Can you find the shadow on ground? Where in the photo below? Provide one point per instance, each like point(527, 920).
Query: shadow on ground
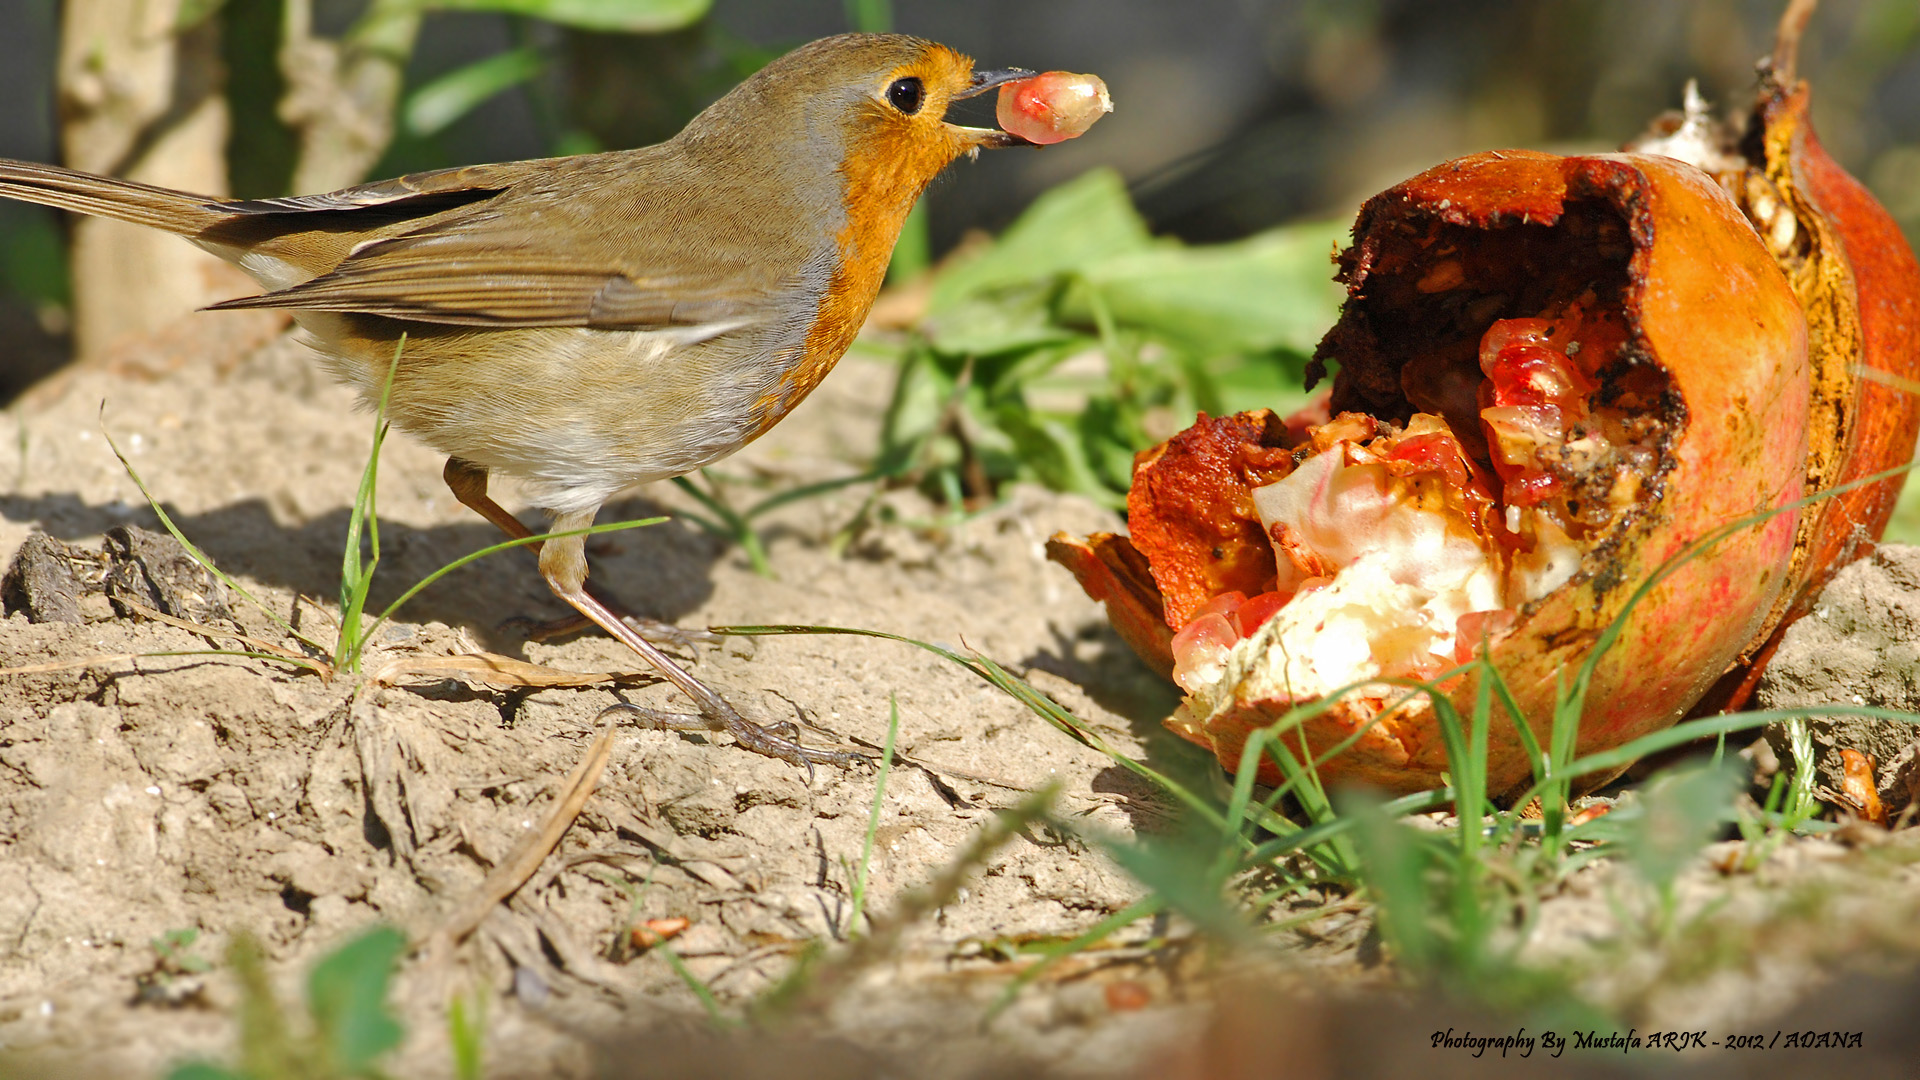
point(663, 571)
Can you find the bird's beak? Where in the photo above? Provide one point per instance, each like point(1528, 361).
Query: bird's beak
point(984, 81)
point(989, 138)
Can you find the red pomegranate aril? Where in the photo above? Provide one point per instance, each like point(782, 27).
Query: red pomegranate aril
point(1200, 645)
point(1258, 610)
point(1508, 332)
point(1475, 628)
point(1224, 604)
point(1533, 375)
point(1515, 434)
point(1052, 107)
point(1434, 453)
point(1531, 487)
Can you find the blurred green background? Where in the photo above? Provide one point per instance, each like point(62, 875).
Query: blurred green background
point(1235, 119)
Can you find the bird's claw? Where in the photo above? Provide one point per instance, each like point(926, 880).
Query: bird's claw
point(666, 633)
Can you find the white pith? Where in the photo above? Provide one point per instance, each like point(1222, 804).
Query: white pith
point(1408, 567)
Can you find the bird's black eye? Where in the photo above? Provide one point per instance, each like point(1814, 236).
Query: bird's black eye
point(906, 95)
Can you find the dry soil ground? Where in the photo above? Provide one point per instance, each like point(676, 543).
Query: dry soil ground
point(143, 793)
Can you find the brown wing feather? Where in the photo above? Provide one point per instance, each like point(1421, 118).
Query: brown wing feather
point(480, 181)
point(464, 276)
point(509, 245)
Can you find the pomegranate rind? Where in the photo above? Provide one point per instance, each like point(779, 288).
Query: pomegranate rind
point(1704, 303)
point(1882, 286)
point(1190, 509)
point(1113, 572)
point(1859, 284)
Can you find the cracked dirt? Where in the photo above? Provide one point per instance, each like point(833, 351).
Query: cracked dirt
point(143, 793)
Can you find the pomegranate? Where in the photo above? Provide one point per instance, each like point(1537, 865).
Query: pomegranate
point(1859, 283)
point(1555, 375)
point(1053, 106)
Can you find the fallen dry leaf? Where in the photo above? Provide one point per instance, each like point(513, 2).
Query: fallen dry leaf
point(1857, 787)
point(651, 932)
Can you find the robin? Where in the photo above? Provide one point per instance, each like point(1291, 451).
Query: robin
point(590, 323)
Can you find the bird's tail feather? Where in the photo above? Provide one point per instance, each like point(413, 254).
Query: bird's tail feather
point(103, 196)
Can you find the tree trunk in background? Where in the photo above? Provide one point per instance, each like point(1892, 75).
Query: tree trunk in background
point(142, 100)
point(341, 96)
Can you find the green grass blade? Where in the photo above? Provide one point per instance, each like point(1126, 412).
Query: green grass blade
point(1175, 870)
point(1535, 755)
point(700, 989)
point(1698, 547)
point(737, 528)
point(1707, 726)
point(194, 552)
point(356, 579)
point(1143, 908)
point(1336, 862)
point(1017, 688)
point(1799, 804)
point(1395, 859)
point(463, 560)
point(1570, 701)
point(873, 819)
point(1235, 818)
point(1468, 770)
point(1339, 859)
point(1050, 710)
point(819, 978)
point(808, 491)
point(1326, 831)
point(466, 1033)
point(1304, 783)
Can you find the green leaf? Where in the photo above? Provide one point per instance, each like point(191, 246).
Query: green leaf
point(1274, 380)
point(1052, 453)
point(920, 399)
point(201, 1070)
point(623, 16)
point(347, 994)
point(870, 16)
point(1070, 227)
point(192, 13)
point(430, 109)
point(1107, 439)
point(1270, 291)
point(1676, 817)
point(990, 327)
point(33, 256)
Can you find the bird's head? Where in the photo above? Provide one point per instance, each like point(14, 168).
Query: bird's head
point(871, 107)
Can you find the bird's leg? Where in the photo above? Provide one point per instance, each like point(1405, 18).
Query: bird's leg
point(654, 630)
point(563, 562)
point(468, 482)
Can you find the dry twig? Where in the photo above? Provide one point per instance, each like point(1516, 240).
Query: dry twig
point(512, 873)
